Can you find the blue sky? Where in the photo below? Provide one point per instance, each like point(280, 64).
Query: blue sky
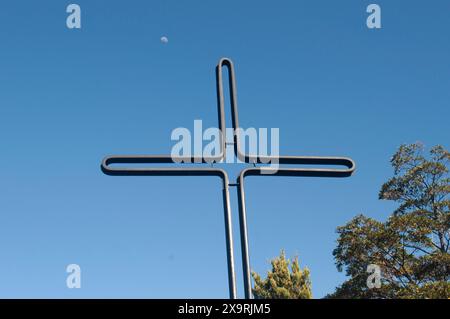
point(310, 68)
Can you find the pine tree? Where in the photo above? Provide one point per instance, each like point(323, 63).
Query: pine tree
point(283, 282)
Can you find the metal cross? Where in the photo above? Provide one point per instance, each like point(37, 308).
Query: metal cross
point(108, 168)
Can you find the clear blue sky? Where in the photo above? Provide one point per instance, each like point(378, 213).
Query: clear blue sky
point(311, 68)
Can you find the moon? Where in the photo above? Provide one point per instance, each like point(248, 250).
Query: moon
point(164, 40)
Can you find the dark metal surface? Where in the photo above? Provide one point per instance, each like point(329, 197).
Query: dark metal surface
point(109, 169)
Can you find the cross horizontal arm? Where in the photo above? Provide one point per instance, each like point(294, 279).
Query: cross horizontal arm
point(108, 167)
point(159, 159)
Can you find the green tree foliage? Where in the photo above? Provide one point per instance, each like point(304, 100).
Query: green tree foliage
point(412, 246)
point(282, 282)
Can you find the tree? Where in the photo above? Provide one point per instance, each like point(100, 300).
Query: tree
point(282, 282)
point(412, 246)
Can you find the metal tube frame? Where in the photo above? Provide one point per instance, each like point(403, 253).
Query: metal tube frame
point(348, 163)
